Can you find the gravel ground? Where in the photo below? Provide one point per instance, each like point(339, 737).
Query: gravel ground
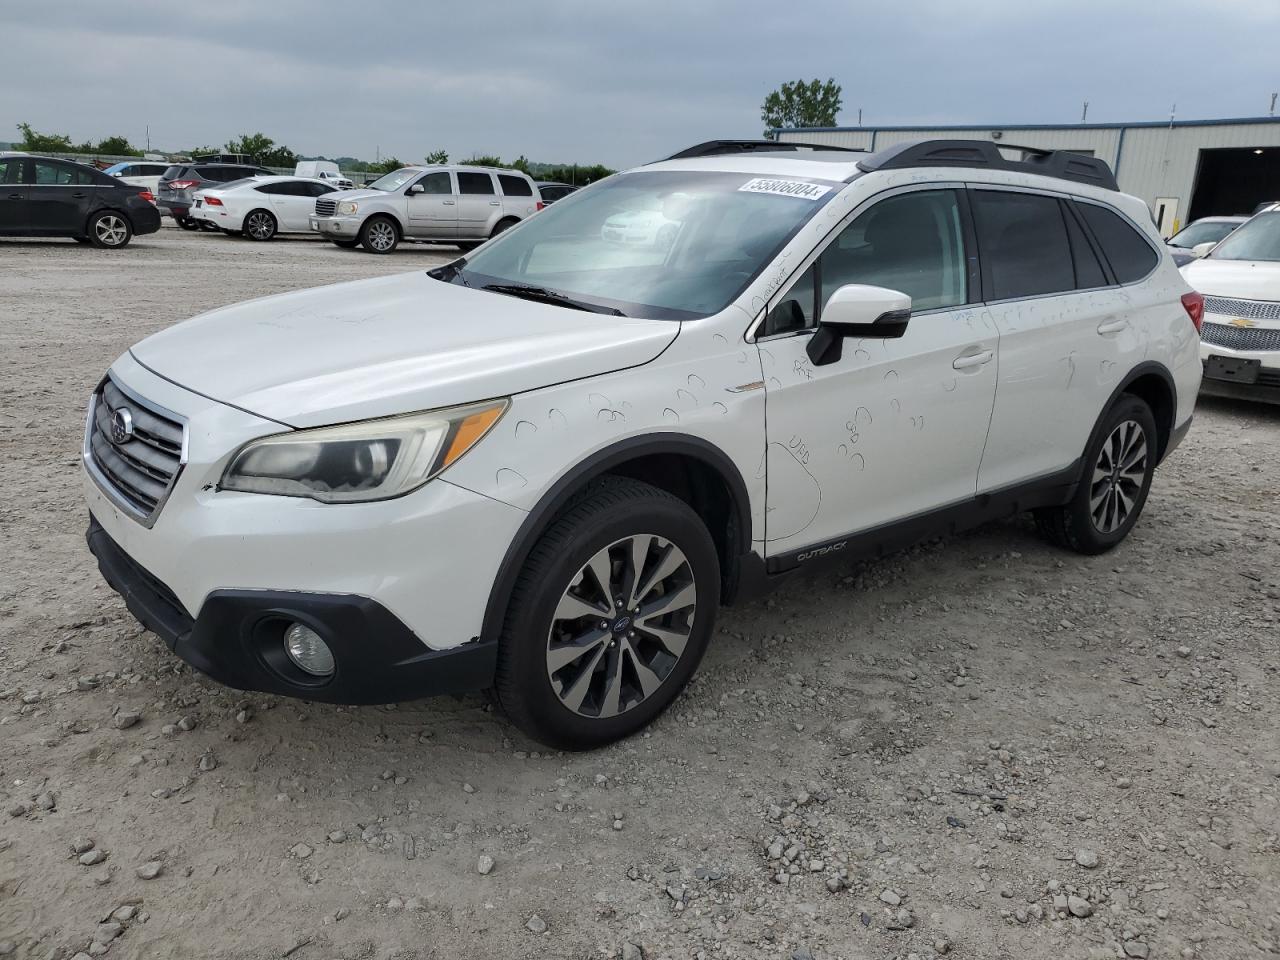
point(982, 747)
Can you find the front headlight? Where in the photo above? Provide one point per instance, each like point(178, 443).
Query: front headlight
point(347, 207)
point(371, 460)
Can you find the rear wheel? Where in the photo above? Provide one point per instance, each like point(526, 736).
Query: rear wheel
point(260, 225)
point(609, 616)
point(503, 225)
point(1116, 475)
point(109, 230)
point(188, 223)
point(208, 227)
point(379, 235)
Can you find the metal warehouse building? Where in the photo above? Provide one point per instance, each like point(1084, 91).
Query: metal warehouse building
point(1183, 169)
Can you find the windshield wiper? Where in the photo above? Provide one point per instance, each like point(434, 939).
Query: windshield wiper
point(543, 295)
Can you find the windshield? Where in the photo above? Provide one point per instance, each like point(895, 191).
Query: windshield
point(669, 245)
point(394, 180)
point(1259, 239)
point(1198, 233)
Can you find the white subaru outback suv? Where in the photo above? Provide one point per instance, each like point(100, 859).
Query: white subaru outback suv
point(543, 467)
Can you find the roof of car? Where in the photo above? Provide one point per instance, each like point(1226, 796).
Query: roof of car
point(1234, 219)
point(815, 164)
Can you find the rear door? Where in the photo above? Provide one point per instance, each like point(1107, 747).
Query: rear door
point(291, 201)
point(478, 204)
point(13, 196)
point(434, 212)
point(59, 196)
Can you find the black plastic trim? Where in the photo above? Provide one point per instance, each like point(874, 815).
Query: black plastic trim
point(598, 464)
point(1141, 370)
point(982, 154)
point(719, 148)
point(236, 639)
point(1054, 489)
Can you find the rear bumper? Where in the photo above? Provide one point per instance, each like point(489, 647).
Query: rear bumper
point(236, 639)
point(144, 220)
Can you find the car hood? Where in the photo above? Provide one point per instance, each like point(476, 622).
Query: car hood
point(1243, 279)
point(390, 345)
point(355, 194)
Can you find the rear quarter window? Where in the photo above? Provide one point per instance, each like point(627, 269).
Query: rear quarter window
point(515, 186)
point(1128, 252)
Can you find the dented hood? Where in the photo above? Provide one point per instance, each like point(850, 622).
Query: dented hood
point(390, 345)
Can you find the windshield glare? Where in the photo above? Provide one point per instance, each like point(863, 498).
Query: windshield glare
point(1259, 239)
point(394, 180)
point(1198, 233)
point(660, 244)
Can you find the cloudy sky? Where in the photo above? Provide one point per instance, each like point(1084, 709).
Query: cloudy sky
point(612, 82)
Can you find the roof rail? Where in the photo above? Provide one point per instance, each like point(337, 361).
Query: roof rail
point(717, 148)
point(1061, 164)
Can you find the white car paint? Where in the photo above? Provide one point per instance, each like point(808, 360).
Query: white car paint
point(969, 401)
point(237, 200)
point(131, 173)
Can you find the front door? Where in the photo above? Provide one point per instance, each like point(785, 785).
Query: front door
point(434, 212)
point(477, 204)
point(894, 428)
point(58, 196)
point(13, 196)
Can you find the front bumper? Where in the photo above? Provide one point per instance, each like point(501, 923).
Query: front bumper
point(237, 638)
point(344, 227)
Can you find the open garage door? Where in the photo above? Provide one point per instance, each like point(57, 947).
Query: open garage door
point(1234, 181)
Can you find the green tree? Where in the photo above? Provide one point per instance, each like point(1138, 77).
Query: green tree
point(387, 165)
point(486, 161)
point(801, 104)
point(117, 147)
point(263, 149)
point(44, 142)
point(521, 163)
point(438, 156)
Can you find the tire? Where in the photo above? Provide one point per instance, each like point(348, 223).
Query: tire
point(379, 235)
point(260, 225)
point(631, 669)
point(208, 227)
point(1115, 478)
point(503, 225)
point(345, 244)
point(109, 230)
point(188, 223)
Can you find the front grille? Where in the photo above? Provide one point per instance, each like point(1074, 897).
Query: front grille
point(139, 472)
point(1240, 338)
point(326, 208)
point(1251, 309)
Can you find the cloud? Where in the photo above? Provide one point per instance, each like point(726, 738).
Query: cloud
point(617, 83)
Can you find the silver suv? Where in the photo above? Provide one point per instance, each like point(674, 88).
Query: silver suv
point(453, 204)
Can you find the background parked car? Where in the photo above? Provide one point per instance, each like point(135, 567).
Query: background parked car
point(139, 173)
point(551, 192)
point(462, 205)
point(180, 181)
point(260, 207)
point(43, 197)
point(1205, 230)
point(325, 170)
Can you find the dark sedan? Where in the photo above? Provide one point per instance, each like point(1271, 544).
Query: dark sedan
point(551, 192)
point(43, 197)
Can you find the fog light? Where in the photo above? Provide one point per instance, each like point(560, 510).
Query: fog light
point(308, 652)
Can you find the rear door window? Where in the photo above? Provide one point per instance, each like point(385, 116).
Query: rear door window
point(515, 186)
point(1129, 254)
point(475, 183)
point(1022, 240)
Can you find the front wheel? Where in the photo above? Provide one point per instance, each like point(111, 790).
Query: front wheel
point(609, 616)
point(1116, 475)
point(379, 235)
point(109, 230)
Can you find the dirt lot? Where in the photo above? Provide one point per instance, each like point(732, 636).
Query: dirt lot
point(984, 747)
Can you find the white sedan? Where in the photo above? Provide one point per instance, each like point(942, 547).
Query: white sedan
point(260, 207)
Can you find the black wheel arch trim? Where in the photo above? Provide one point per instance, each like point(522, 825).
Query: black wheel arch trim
point(596, 465)
point(1146, 368)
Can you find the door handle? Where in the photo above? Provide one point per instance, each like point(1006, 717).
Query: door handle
point(78, 196)
point(447, 203)
point(971, 360)
point(1112, 325)
point(494, 203)
point(15, 196)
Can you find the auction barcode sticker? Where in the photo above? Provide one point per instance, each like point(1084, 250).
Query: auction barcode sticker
point(785, 188)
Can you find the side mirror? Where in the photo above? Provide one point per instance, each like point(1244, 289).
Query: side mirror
point(858, 310)
point(416, 189)
point(1202, 249)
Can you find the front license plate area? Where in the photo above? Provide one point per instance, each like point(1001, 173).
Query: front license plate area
point(1235, 369)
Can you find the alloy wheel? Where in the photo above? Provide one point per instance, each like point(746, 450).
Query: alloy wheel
point(110, 230)
point(1118, 475)
point(621, 626)
point(260, 226)
point(382, 236)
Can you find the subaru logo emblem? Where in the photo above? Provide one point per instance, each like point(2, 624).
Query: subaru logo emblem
point(121, 426)
point(622, 623)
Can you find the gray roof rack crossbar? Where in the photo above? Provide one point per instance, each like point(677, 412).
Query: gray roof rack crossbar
point(718, 148)
point(979, 153)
